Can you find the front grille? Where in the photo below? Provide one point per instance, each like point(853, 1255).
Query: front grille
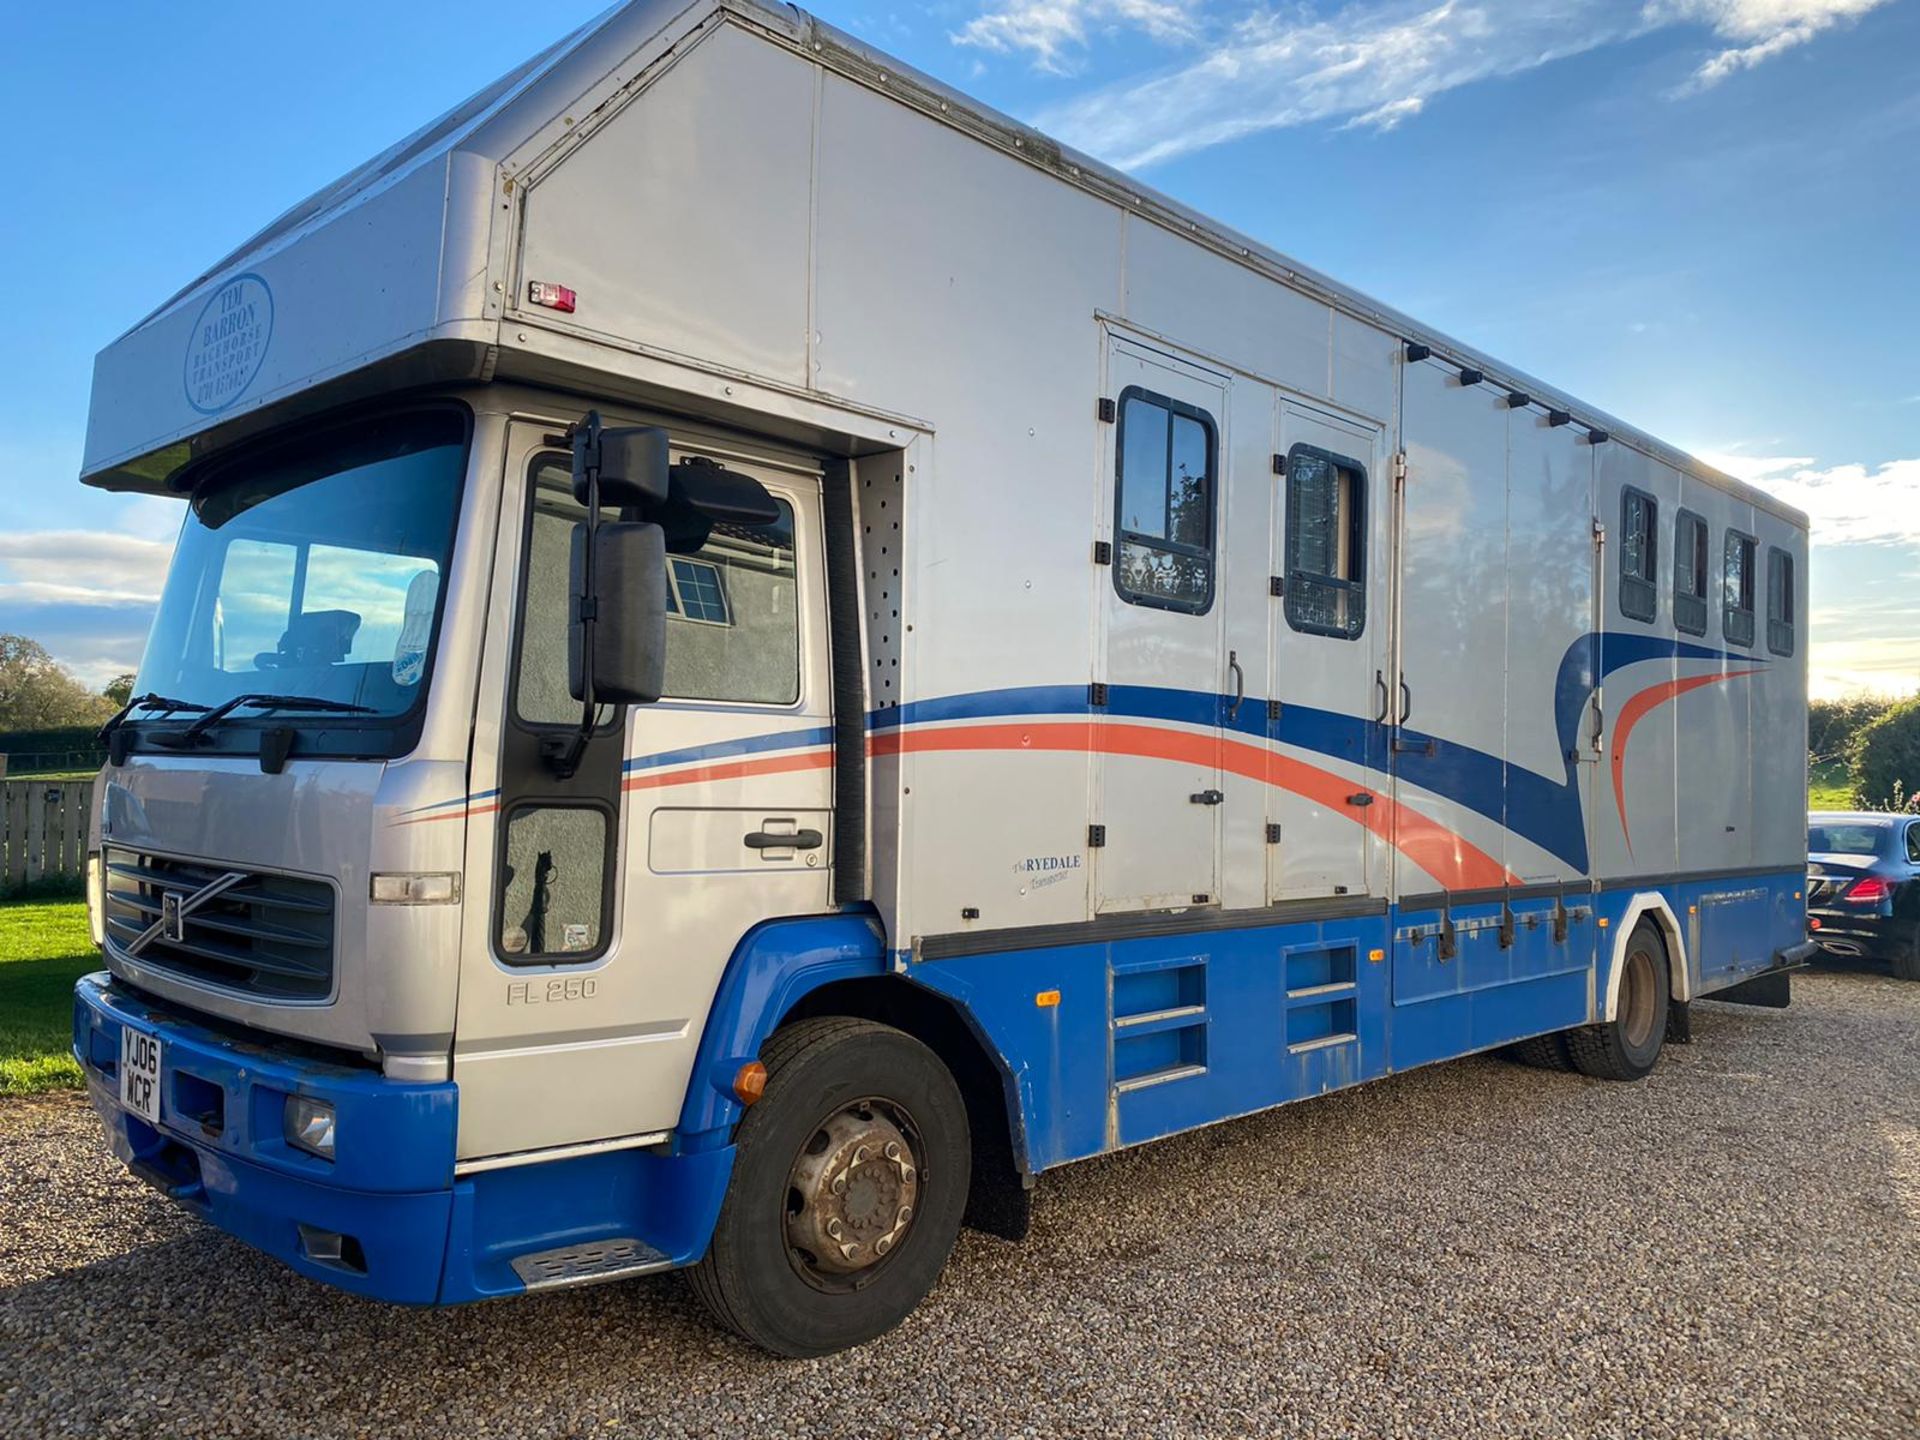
point(264, 935)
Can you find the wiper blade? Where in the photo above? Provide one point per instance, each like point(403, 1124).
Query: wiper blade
point(151, 700)
point(259, 700)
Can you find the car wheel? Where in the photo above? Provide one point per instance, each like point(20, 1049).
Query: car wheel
point(849, 1180)
point(1906, 962)
point(1628, 1046)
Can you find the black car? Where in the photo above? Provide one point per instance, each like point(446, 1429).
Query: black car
point(1863, 887)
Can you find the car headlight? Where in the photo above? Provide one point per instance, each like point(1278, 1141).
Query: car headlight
point(309, 1125)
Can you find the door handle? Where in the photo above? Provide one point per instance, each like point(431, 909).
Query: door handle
point(1207, 797)
point(1380, 688)
point(792, 840)
point(1239, 684)
point(1406, 701)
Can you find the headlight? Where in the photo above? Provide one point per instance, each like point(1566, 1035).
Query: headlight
point(310, 1125)
point(96, 899)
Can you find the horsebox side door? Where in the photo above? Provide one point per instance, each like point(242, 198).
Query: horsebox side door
point(1157, 689)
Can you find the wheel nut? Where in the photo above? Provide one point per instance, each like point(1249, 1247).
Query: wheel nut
point(906, 1214)
point(893, 1151)
point(883, 1244)
point(834, 1228)
point(839, 1186)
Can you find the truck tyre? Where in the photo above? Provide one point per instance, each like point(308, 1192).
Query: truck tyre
point(1627, 1046)
point(1543, 1052)
point(1906, 961)
point(849, 1180)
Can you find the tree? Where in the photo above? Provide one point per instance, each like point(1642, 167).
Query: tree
point(1834, 725)
point(1886, 757)
point(119, 689)
point(36, 694)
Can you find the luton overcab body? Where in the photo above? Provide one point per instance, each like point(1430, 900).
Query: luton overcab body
point(759, 655)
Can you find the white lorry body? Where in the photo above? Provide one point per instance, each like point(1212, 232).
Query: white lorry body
point(1187, 684)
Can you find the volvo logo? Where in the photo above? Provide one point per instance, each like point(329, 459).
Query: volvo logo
point(176, 906)
point(173, 919)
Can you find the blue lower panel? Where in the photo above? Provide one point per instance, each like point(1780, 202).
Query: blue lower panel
point(1165, 1033)
point(387, 1218)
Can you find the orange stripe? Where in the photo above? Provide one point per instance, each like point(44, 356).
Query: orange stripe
point(1632, 713)
point(1451, 859)
point(730, 770)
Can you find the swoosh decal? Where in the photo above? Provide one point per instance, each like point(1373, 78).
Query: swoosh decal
point(1634, 711)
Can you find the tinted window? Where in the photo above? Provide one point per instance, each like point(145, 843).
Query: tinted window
point(1326, 580)
point(1781, 601)
point(1164, 503)
point(1690, 573)
point(1842, 838)
point(1913, 843)
point(1639, 515)
point(1736, 620)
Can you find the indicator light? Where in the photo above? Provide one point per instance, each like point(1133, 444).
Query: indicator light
point(1047, 999)
point(552, 296)
point(750, 1083)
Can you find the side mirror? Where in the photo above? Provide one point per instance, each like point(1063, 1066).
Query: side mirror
point(632, 461)
point(629, 606)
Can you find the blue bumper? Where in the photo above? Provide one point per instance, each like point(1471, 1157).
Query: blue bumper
point(388, 1217)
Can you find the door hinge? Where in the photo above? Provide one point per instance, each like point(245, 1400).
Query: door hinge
point(1273, 833)
point(1273, 709)
point(1399, 467)
point(1506, 926)
point(1206, 797)
point(1276, 586)
point(1097, 693)
point(1360, 799)
point(1102, 552)
point(1106, 410)
point(1096, 836)
point(1279, 464)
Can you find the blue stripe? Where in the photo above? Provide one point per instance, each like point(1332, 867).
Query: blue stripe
point(721, 749)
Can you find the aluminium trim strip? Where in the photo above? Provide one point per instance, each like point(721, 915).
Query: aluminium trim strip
point(557, 1152)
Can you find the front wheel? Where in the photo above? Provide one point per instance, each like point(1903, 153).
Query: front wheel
point(849, 1180)
point(1627, 1046)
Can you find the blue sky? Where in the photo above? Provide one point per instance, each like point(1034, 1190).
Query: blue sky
point(1700, 215)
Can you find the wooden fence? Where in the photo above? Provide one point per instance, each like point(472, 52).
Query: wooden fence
point(43, 830)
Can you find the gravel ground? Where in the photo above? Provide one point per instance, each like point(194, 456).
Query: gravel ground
point(1732, 1248)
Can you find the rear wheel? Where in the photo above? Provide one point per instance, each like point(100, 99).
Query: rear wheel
point(1628, 1046)
point(1906, 961)
point(848, 1185)
point(1543, 1052)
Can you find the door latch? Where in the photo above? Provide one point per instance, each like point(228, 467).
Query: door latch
point(790, 840)
point(1207, 797)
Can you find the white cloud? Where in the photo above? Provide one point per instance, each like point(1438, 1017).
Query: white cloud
point(81, 567)
point(1374, 63)
point(1848, 504)
point(1762, 28)
point(1052, 30)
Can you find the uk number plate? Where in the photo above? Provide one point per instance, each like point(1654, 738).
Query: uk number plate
point(140, 1074)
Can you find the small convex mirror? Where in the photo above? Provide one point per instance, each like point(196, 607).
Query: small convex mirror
point(633, 464)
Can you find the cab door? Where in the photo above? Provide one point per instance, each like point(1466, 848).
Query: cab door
point(618, 894)
point(1156, 735)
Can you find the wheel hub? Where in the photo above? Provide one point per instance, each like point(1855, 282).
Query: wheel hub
point(853, 1190)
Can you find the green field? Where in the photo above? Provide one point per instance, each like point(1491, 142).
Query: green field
point(1830, 787)
point(44, 948)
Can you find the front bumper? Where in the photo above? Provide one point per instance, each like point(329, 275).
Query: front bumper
point(390, 1217)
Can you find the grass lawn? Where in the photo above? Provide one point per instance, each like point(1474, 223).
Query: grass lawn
point(44, 948)
point(1830, 787)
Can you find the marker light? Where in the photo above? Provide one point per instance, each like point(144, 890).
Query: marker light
point(413, 887)
point(554, 297)
point(96, 900)
point(309, 1125)
point(751, 1083)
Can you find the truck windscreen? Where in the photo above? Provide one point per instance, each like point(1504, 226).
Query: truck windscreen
point(315, 567)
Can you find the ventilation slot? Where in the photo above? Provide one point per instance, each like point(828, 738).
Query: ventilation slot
point(1159, 1021)
point(1321, 996)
